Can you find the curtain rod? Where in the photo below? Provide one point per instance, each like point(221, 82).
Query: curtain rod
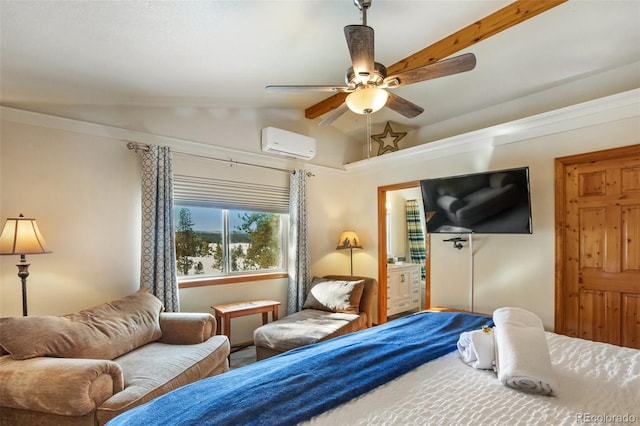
point(135, 146)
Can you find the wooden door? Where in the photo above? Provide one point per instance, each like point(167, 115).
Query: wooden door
point(598, 246)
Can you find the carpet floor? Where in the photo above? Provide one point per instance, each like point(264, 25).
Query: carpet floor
point(242, 356)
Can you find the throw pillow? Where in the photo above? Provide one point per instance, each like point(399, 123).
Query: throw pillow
point(104, 332)
point(335, 296)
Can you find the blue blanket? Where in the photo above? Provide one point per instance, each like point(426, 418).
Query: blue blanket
point(299, 384)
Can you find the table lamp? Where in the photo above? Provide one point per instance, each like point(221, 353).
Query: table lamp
point(349, 240)
point(20, 235)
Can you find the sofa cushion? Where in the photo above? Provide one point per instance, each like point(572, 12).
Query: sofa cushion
point(335, 295)
point(158, 368)
point(186, 328)
point(104, 332)
point(306, 327)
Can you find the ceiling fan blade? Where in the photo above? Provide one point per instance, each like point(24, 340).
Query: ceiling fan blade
point(323, 107)
point(443, 68)
point(507, 17)
point(403, 106)
point(308, 88)
point(360, 43)
point(334, 115)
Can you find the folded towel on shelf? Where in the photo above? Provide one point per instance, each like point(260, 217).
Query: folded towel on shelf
point(522, 353)
point(477, 348)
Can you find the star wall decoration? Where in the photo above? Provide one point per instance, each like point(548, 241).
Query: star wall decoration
point(388, 140)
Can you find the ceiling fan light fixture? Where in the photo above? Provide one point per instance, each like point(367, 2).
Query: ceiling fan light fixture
point(367, 99)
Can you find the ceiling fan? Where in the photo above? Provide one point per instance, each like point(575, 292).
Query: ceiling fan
point(367, 79)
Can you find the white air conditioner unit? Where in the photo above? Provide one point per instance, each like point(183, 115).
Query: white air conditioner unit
point(283, 142)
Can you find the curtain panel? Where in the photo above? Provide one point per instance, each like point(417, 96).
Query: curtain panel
point(417, 251)
point(298, 249)
point(158, 260)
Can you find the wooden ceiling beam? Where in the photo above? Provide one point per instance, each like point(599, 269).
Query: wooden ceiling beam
point(507, 17)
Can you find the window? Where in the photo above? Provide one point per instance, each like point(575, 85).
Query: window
point(229, 227)
point(212, 241)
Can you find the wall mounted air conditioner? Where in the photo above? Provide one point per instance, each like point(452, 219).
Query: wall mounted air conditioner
point(283, 142)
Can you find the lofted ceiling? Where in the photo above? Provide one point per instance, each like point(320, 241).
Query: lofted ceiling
point(221, 54)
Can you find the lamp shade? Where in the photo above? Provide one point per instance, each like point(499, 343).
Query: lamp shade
point(348, 240)
point(20, 235)
point(367, 99)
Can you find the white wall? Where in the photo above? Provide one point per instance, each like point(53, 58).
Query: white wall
point(509, 270)
point(329, 204)
point(238, 129)
point(84, 193)
point(82, 185)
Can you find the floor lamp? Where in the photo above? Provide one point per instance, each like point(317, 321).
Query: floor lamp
point(349, 240)
point(20, 235)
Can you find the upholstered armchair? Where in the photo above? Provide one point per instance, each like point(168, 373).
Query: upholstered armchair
point(335, 305)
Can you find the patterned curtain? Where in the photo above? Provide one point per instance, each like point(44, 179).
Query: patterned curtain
point(158, 259)
point(298, 242)
point(417, 251)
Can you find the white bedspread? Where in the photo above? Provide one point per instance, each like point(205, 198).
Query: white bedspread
point(593, 379)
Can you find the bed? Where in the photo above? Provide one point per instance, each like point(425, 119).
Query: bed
point(407, 371)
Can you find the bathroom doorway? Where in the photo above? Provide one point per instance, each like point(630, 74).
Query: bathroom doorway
point(392, 239)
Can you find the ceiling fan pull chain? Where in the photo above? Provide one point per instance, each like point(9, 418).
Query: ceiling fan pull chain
point(368, 144)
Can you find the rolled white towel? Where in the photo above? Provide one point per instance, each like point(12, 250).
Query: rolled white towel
point(477, 348)
point(522, 353)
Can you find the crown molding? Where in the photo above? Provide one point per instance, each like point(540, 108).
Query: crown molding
point(611, 108)
point(185, 146)
point(603, 110)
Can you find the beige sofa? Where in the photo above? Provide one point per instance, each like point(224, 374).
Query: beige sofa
point(86, 368)
point(335, 305)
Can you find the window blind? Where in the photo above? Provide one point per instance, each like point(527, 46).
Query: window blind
point(227, 194)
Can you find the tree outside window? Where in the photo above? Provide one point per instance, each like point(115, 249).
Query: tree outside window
point(255, 241)
point(187, 242)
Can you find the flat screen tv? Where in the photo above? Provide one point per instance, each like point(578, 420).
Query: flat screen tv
point(496, 202)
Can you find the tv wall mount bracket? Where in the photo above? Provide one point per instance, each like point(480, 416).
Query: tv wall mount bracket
point(457, 242)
